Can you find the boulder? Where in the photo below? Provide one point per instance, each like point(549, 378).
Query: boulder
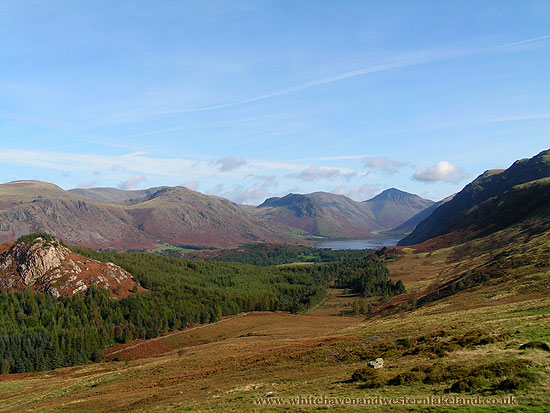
point(376, 363)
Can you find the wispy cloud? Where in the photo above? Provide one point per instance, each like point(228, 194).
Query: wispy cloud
point(383, 163)
point(253, 194)
point(142, 163)
point(331, 158)
point(315, 172)
point(357, 192)
point(157, 132)
point(230, 163)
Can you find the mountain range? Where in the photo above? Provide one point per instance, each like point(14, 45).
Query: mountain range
point(337, 216)
point(146, 219)
point(176, 216)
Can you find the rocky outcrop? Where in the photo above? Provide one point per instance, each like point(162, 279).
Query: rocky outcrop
point(35, 259)
point(43, 264)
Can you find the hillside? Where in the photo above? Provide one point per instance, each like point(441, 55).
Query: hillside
point(490, 184)
point(174, 216)
point(526, 206)
point(32, 206)
point(177, 215)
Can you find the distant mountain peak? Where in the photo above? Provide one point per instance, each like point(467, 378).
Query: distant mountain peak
point(393, 193)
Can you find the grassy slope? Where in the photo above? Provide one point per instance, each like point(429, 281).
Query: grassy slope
point(227, 366)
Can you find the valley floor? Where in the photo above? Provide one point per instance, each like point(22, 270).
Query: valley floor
point(231, 366)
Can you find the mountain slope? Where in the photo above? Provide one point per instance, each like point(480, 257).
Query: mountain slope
point(410, 224)
point(527, 206)
point(489, 184)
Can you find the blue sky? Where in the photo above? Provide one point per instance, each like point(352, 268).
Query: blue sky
point(251, 99)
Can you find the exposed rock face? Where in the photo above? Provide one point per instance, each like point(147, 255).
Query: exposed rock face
point(46, 265)
point(36, 259)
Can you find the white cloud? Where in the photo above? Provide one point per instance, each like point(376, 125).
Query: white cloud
point(229, 163)
point(443, 171)
point(383, 163)
point(358, 192)
point(132, 182)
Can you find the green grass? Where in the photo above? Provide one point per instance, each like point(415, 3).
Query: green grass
point(296, 233)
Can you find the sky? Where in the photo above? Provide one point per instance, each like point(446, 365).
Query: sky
point(253, 99)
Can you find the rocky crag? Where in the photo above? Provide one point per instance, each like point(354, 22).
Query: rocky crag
point(42, 264)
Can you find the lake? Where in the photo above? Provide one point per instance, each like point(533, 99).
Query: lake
point(359, 244)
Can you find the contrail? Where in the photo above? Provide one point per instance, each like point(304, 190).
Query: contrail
point(404, 62)
point(313, 83)
point(535, 39)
